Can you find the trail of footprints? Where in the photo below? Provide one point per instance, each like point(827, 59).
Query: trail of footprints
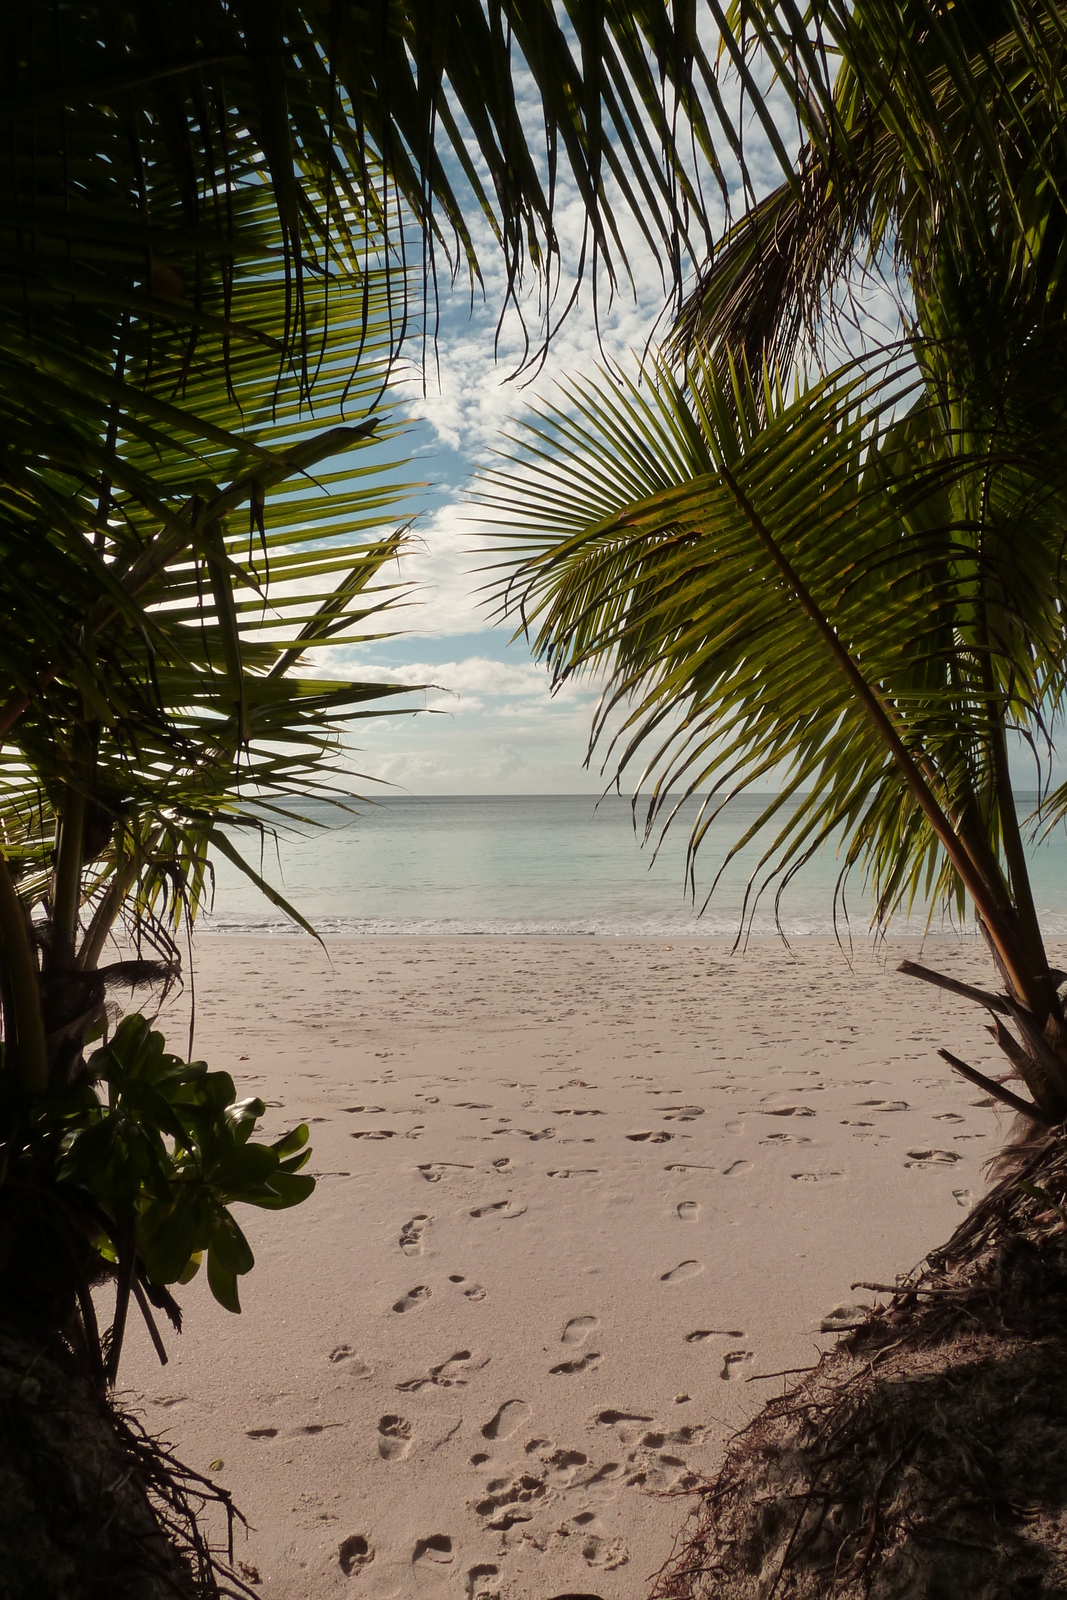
point(529, 1487)
point(624, 1449)
point(529, 1498)
point(634, 1452)
point(529, 1493)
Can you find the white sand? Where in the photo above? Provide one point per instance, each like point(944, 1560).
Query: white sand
point(576, 1199)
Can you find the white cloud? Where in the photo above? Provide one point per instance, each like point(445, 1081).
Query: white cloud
point(499, 728)
point(477, 675)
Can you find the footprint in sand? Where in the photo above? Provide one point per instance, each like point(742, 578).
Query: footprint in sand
point(786, 1138)
point(356, 1552)
point(505, 1499)
point(688, 1210)
point(786, 1111)
point(698, 1335)
point(628, 1427)
point(605, 1553)
point(434, 1171)
point(359, 1367)
point(578, 1329)
point(817, 1177)
point(480, 1581)
point(502, 1164)
point(434, 1551)
point(453, 1373)
point(503, 1423)
point(411, 1234)
point(581, 1364)
point(394, 1440)
point(734, 1363)
point(574, 1172)
point(963, 1197)
point(564, 1462)
point(500, 1208)
point(414, 1297)
point(374, 1133)
point(931, 1158)
point(684, 1269)
point(651, 1138)
point(683, 1113)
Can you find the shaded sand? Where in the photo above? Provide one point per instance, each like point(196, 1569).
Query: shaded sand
point(927, 1453)
point(577, 1199)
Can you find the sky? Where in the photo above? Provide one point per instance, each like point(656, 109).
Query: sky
point(492, 725)
point(489, 723)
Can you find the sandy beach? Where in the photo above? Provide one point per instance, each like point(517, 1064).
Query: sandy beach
point(581, 1203)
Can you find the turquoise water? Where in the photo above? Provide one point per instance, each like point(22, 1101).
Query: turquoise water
point(557, 864)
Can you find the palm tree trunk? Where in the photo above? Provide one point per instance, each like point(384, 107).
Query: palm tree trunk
point(23, 1023)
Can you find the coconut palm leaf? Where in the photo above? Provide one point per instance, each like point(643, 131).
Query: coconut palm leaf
point(180, 527)
point(809, 590)
point(388, 112)
point(928, 130)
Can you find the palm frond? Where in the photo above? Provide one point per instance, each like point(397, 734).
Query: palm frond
point(789, 590)
point(368, 118)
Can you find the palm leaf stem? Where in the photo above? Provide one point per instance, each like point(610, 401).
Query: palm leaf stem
point(66, 895)
point(966, 991)
point(981, 892)
point(1015, 1102)
point(1011, 837)
point(114, 898)
point(21, 991)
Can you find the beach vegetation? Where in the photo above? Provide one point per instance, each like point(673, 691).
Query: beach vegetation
point(807, 553)
point(179, 536)
point(210, 244)
point(205, 291)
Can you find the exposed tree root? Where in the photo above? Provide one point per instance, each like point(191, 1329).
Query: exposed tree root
point(926, 1456)
point(91, 1507)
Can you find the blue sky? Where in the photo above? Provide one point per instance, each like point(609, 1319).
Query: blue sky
point(491, 724)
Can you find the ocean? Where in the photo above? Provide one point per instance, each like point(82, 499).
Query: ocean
point(546, 865)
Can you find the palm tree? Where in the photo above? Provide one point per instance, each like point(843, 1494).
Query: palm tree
point(178, 534)
point(854, 576)
point(208, 214)
point(183, 531)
